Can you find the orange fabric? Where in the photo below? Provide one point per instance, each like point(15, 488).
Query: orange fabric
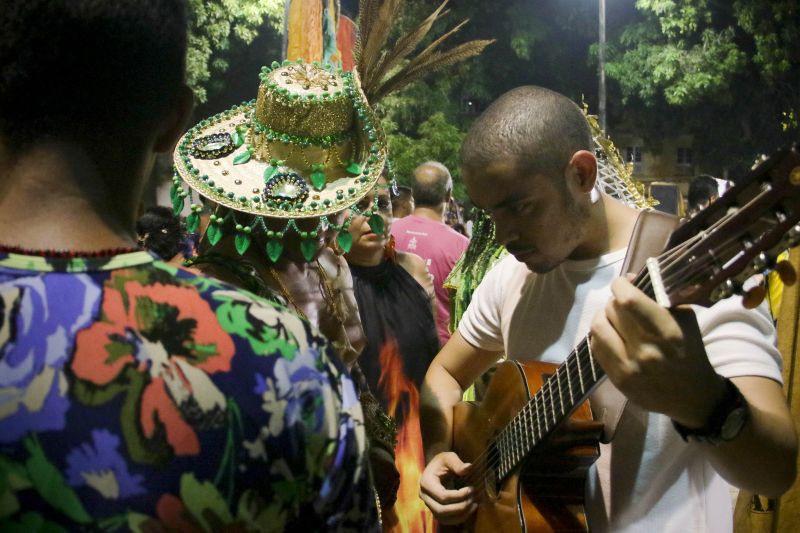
point(346, 35)
point(305, 30)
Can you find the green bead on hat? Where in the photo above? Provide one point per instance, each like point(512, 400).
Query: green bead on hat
point(290, 154)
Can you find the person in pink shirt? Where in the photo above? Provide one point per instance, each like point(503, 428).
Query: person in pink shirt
point(424, 233)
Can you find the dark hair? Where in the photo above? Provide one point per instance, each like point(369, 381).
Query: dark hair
point(538, 129)
point(83, 68)
point(161, 232)
point(432, 184)
point(701, 189)
point(404, 192)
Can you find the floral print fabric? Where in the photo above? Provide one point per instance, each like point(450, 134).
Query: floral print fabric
point(137, 396)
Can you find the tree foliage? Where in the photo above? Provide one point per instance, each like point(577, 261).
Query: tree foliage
point(214, 24)
point(429, 119)
point(728, 67)
point(436, 139)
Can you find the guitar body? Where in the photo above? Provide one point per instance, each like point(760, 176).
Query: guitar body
point(546, 493)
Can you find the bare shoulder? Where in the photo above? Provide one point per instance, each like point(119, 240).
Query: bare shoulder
point(412, 263)
point(335, 268)
point(415, 265)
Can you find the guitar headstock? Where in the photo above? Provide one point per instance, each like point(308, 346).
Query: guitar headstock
point(737, 236)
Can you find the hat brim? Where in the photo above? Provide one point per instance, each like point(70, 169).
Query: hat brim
point(238, 181)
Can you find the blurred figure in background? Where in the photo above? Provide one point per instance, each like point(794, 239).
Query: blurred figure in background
point(425, 233)
point(703, 190)
point(454, 216)
point(163, 233)
point(403, 203)
point(395, 296)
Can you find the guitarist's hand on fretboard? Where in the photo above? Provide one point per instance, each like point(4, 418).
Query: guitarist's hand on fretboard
point(646, 349)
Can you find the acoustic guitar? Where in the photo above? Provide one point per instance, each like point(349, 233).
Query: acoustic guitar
point(532, 439)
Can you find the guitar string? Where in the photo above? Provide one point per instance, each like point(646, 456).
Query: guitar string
point(677, 259)
point(699, 265)
point(524, 421)
point(492, 453)
point(585, 368)
point(681, 252)
point(528, 419)
point(733, 244)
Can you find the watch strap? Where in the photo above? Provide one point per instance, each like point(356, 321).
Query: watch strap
point(712, 433)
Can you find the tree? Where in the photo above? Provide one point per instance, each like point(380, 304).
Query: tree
point(428, 119)
point(213, 25)
point(731, 68)
point(435, 140)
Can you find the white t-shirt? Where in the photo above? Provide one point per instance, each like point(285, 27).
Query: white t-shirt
point(647, 479)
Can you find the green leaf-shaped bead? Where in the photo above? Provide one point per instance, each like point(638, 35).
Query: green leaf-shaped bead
point(242, 158)
point(214, 233)
point(308, 247)
point(274, 250)
point(192, 221)
point(269, 172)
point(345, 241)
point(238, 138)
point(177, 204)
point(318, 180)
point(242, 242)
point(376, 224)
point(354, 168)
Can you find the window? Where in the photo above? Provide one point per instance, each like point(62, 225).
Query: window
point(633, 154)
point(685, 156)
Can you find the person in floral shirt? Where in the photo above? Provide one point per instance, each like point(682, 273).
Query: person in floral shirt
point(134, 395)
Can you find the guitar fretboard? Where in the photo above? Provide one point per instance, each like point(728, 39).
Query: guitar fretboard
point(561, 393)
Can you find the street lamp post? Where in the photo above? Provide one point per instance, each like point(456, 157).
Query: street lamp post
point(601, 96)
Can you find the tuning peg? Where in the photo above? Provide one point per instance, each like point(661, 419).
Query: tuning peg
point(754, 296)
point(760, 263)
point(760, 159)
point(786, 272)
point(792, 237)
point(724, 290)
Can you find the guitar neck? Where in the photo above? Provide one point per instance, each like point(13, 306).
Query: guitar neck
point(562, 392)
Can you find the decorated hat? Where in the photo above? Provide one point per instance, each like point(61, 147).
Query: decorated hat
point(309, 146)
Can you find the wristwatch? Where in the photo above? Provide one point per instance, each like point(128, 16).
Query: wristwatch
point(725, 423)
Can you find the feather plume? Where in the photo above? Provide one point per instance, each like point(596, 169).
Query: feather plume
point(429, 50)
point(376, 33)
point(404, 46)
point(375, 61)
point(366, 18)
point(437, 61)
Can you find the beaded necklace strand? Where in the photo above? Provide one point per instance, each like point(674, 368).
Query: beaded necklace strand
point(68, 254)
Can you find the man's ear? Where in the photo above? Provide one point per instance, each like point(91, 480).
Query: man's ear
point(175, 121)
point(583, 169)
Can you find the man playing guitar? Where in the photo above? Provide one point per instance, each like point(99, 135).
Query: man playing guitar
point(705, 408)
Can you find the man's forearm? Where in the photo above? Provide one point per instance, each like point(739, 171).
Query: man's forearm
point(440, 393)
point(763, 458)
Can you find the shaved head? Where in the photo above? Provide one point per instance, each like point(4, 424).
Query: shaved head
point(535, 129)
point(432, 184)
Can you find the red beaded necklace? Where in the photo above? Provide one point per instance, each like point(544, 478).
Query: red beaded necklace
point(68, 254)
